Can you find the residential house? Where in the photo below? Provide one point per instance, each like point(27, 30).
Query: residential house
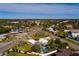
point(2, 36)
point(32, 41)
point(52, 28)
point(14, 31)
point(74, 32)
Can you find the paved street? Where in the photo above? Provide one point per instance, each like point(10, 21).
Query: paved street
point(7, 45)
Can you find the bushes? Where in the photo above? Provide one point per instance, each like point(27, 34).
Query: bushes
point(4, 30)
point(61, 34)
point(36, 48)
point(56, 44)
point(39, 35)
point(52, 45)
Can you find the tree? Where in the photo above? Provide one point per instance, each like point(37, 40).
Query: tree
point(52, 45)
point(36, 48)
point(61, 34)
point(57, 41)
point(4, 30)
point(64, 45)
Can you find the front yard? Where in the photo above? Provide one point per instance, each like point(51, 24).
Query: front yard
point(23, 48)
point(39, 35)
point(20, 54)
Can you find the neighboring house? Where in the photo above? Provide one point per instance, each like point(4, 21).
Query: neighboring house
point(52, 28)
point(14, 31)
point(32, 41)
point(37, 22)
point(2, 37)
point(69, 26)
point(75, 32)
point(69, 34)
point(77, 38)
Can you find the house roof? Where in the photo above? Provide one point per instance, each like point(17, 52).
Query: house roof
point(74, 54)
point(32, 41)
point(64, 52)
point(43, 40)
point(3, 36)
point(73, 30)
point(77, 52)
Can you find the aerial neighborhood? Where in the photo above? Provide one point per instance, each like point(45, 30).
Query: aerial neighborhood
point(39, 37)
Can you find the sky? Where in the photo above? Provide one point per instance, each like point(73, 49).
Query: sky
point(39, 10)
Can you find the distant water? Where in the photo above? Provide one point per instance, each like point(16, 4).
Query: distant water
point(39, 19)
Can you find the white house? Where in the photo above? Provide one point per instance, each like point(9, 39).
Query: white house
point(75, 32)
point(43, 41)
point(52, 28)
point(32, 41)
point(2, 36)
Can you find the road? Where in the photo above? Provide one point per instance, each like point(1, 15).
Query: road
point(20, 37)
point(73, 46)
point(7, 45)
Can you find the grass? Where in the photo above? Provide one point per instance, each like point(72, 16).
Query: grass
point(19, 54)
point(73, 41)
point(6, 40)
point(24, 47)
point(39, 35)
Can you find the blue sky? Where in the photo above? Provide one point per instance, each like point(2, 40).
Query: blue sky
point(39, 10)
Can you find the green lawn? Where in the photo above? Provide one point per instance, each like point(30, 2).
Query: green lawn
point(7, 40)
point(39, 35)
point(24, 47)
point(73, 41)
point(20, 54)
